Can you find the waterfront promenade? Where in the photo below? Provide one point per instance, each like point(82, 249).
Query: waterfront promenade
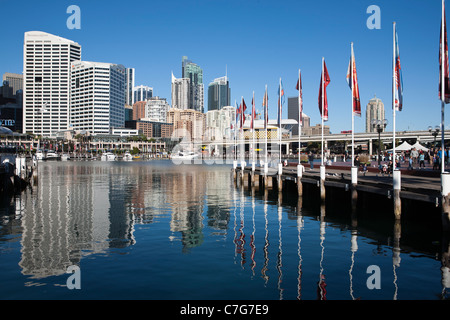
point(417, 184)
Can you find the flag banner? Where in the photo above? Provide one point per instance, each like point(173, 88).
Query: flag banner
point(326, 80)
point(265, 105)
point(398, 81)
point(280, 102)
point(243, 108)
point(300, 99)
point(446, 97)
point(238, 112)
point(352, 81)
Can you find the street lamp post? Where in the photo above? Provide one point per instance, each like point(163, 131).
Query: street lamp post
point(379, 125)
point(434, 132)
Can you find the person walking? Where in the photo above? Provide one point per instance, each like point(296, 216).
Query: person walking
point(421, 160)
point(414, 156)
point(311, 160)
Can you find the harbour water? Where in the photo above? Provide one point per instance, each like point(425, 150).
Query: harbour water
point(155, 230)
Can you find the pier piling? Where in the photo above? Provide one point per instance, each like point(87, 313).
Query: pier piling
point(299, 180)
point(445, 189)
point(354, 192)
point(279, 179)
point(322, 183)
point(397, 188)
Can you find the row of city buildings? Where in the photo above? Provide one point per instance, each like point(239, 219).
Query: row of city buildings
point(58, 92)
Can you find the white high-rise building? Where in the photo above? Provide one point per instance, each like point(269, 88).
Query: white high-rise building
point(97, 96)
point(219, 123)
point(156, 109)
point(46, 82)
point(180, 93)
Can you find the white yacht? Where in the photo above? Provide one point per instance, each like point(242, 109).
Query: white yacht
point(185, 155)
point(108, 156)
point(39, 155)
point(127, 156)
point(51, 155)
point(65, 157)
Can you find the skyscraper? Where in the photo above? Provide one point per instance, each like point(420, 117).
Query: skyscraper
point(374, 111)
point(219, 94)
point(142, 93)
point(46, 92)
point(293, 114)
point(129, 95)
point(156, 109)
point(194, 73)
point(97, 96)
point(180, 93)
point(15, 81)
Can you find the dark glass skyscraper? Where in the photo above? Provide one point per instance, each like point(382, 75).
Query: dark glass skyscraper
point(194, 73)
point(219, 94)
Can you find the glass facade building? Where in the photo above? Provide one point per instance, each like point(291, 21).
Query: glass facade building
point(142, 93)
point(219, 94)
point(194, 73)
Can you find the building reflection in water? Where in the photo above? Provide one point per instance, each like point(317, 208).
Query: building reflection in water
point(74, 211)
point(79, 210)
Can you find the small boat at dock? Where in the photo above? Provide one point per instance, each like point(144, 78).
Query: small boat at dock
point(108, 156)
point(127, 156)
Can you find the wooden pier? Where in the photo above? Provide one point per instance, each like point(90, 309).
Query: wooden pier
point(424, 188)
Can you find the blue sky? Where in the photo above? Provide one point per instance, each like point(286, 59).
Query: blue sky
point(258, 42)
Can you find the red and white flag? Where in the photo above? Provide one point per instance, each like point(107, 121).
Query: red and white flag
point(324, 80)
point(352, 80)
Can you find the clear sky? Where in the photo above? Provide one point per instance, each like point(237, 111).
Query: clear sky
point(257, 42)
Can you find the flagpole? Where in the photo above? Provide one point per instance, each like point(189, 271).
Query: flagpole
point(443, 59)
point(299, 116)
point(353, 115)
point(266, 117)
point(235, 127)
point(321, 163)
point(242, 131)
point(393, 98)
point(279, 112)
point(253, 127)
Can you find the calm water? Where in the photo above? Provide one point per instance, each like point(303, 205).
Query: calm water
point(154, 230)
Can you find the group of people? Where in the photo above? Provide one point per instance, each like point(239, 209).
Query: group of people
point(418, 158)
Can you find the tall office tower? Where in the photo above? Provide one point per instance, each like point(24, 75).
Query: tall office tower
point(180, 93)
point(97, 96)
point(15, 81)
point(156, 109)
point(374, 111)
point(129, 90)
point(293, 114)
point(194, 73)
point(219, 94)
point(142, 93)
point(46, 91)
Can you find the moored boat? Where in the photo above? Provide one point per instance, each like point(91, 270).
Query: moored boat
point(108, 156)
point(51, 155)
point(127, 156)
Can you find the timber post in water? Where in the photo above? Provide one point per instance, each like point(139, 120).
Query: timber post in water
point(445, 200)
point(397, 187)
